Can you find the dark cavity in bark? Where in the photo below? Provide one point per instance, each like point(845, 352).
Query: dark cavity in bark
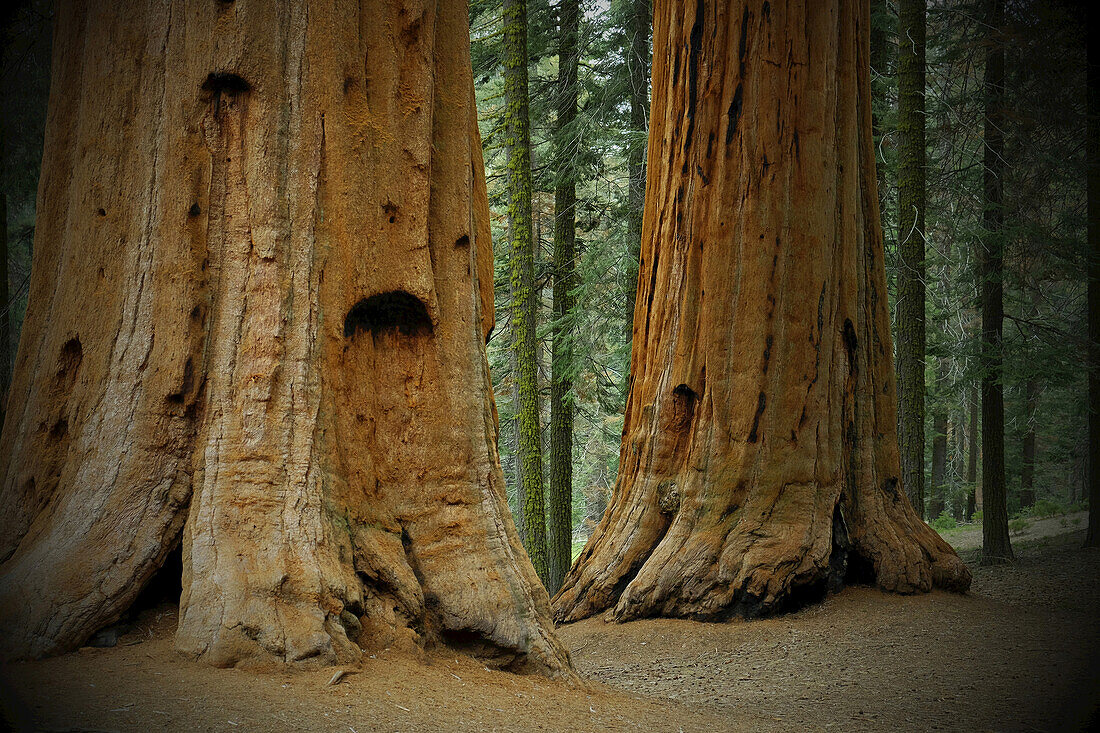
point(395, 311)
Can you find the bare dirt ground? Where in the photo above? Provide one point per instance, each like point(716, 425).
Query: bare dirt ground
point(1018, 653)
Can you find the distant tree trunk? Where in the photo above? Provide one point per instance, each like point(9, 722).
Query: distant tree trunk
point(5, 306)
point(257, 326)
point(911, 261)
point(880, 54)
point(637, 64)
point(1092, 539)
point(565, 281)
point(995, 543)
point(957, 459)
point(936, 502)
point(1027, 473)
point(524, 295)
point(517, 465)
point(759, 462)
point(972, 459)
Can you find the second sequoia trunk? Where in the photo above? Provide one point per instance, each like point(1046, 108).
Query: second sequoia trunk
point(759, 463)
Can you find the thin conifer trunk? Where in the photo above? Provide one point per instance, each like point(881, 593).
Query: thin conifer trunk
point(565, 281)
point(524, 294)
point(911, 262)
point(1093, 152)
point(972, 458)
point(996, 546)
point(637, 63)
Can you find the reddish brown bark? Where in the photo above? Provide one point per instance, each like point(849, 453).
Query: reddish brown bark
point(760, 459)
point(262, 287)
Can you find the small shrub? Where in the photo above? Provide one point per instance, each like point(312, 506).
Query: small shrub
point(1046, 508)
point(944, 522)
point(1019, 525)
point(976, 518)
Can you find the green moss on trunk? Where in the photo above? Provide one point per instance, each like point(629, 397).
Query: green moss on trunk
point(524, 297)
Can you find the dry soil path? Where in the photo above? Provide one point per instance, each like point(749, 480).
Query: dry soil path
point(1018, 653)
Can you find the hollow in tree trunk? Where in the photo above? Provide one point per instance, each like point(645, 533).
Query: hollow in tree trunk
point(262, 287)
point(759, 463)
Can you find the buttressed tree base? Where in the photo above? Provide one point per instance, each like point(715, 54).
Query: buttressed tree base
point(262, 288)
point(759, 464)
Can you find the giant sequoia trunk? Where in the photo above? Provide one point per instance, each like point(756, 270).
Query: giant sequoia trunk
point(262, 287)
point(760, 459)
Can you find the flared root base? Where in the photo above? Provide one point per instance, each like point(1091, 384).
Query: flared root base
point(751, 564)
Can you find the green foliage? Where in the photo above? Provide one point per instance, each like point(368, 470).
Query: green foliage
point(24, 87)
point(977, 518)
point(944, 522)
point(1044, 238)
point(1046, 508)
point(1019, 525)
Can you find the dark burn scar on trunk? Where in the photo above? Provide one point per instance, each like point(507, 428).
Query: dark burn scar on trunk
point(222, 82)
point(761, 402)
point(394, 311)
point(734, 113)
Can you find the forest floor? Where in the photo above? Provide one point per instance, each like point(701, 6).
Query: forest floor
point(1020, 652)
point(969, 536)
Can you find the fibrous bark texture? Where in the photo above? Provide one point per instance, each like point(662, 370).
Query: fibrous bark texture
point(759, 459)
point(262, 288)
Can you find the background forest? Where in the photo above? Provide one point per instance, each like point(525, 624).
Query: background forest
point(586, 74)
